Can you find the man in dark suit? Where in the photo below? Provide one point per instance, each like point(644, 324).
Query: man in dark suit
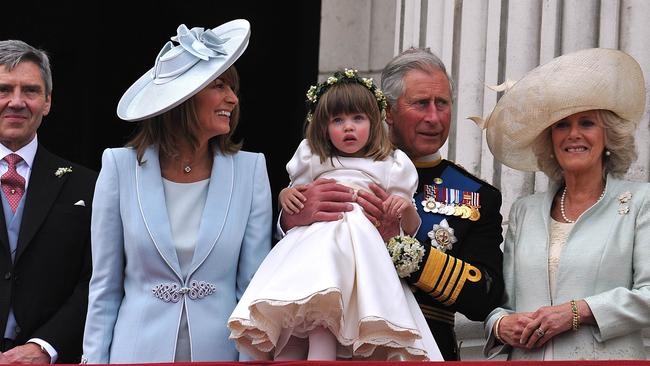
point(45, 260)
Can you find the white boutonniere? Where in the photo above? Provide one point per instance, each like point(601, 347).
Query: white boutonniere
point(624, 198)
point(63, 170)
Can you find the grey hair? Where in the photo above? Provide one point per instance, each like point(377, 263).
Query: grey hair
point(392, 77)
point(619, 141)
point(13, 52)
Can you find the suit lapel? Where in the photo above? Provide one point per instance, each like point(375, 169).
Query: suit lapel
point(151, 198)
point(215, 211)
point(42, 191)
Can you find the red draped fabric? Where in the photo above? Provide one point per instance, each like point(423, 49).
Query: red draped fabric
point(370, 363)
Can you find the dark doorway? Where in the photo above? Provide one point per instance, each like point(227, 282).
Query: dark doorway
point(98, 49)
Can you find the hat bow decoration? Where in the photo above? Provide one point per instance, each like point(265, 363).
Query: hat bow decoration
point(503, 87)
point(182, 70)
point(196, 44)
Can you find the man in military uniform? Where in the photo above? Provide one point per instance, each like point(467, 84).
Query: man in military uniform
point(461, 223)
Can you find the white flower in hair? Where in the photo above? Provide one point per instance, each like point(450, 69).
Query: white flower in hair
point(350, 73)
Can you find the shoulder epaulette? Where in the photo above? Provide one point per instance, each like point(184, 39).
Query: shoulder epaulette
point(468, 174)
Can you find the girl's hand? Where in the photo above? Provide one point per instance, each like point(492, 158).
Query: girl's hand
point(326, 200)
point(373, 207)
point(291, 199)
point(394, 206)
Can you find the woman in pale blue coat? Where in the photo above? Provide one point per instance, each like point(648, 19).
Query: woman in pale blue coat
point(181, 218)
point(576, 263)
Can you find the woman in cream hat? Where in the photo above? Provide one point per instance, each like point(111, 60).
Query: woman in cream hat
point(575, 258)
point(181, 217)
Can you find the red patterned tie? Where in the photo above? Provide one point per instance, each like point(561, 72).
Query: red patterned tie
point(13, 184)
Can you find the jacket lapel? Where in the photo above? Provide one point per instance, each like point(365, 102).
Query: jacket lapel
point(215, 211)
point(151, 198)
point(42, 191)
point(595, 222)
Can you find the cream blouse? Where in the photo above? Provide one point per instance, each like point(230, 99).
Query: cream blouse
point(559, 234)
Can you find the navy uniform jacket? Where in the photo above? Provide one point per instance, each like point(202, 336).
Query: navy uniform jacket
point(468, 277)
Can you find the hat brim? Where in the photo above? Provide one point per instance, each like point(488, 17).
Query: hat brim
point(585, 80)
point(145, 99)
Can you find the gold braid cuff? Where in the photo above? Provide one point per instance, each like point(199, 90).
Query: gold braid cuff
point(444, 277)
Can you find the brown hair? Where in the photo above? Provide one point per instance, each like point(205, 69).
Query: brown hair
point(347, 97)
point(181, 122)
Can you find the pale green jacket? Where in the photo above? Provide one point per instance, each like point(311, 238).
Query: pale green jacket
point(606, 262)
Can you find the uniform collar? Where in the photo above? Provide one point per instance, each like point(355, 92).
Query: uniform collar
point(428, 161)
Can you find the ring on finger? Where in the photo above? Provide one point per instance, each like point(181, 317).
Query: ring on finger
point(540, 333)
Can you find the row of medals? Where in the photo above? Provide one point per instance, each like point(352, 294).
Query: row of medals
point(463, 211)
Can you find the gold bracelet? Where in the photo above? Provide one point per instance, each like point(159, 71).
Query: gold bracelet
point(496, 329)
point(575, 319)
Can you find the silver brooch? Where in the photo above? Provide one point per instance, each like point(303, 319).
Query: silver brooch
point(442, 236)
point(624, 199)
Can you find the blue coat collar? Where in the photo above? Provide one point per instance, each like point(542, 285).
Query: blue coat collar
point(151, 199)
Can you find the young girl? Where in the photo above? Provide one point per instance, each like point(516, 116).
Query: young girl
point(330, 289)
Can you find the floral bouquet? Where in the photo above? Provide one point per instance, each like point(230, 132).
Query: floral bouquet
point(406, 253)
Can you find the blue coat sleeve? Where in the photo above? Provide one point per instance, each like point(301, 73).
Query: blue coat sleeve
point(107, 283)
point(257, 238)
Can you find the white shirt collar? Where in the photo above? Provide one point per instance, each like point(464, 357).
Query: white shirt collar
point(26, 152)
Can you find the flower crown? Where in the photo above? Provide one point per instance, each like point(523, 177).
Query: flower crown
point(347, 76)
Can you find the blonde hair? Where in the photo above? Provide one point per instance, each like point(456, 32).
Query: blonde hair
point(619, 141)
point(347, 98)
point(182, 122)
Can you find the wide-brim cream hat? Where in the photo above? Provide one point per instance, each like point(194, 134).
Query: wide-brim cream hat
point(183, 70)
point(585, 80)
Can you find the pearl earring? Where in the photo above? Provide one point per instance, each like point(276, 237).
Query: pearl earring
point(607, 153)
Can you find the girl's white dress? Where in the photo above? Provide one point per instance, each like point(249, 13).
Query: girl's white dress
point(336, 274)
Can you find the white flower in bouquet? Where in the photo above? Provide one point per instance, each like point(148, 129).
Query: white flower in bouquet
point(406, 253)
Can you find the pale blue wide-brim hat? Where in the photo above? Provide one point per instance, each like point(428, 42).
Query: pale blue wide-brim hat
point(182, 70)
